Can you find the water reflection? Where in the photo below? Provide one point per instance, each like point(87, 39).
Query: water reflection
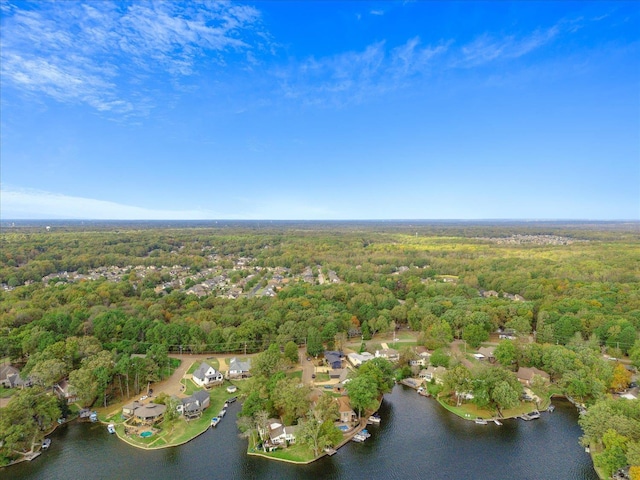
point(417, 439)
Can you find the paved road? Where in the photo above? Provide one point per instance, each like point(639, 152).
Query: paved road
point(307, 366)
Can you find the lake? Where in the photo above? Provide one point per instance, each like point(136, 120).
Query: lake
point(416, 439)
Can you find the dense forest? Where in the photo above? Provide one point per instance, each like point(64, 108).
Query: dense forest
point(77, 302)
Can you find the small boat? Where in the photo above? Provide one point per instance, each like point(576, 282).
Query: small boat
point(93, 417)
point(525, 417)
point(374, 419)
point(534, 415)
point(46, 443)
point(551, 408)
point(222, 413)
point(359, 438)
point(423, 391)
point(365, 433)
point(111, 428)
point(480, 421)
point(497, 422)
point(215, 421)
point(232, 389)
point(231, 400)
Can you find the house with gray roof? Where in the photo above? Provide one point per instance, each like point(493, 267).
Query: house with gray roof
point(207, 376)
point(10, 378)
point(194, 405)
point(239, 369)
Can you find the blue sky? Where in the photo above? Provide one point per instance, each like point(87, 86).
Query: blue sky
point(320, 110)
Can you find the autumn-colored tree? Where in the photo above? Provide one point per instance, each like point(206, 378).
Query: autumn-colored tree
point(621, 378)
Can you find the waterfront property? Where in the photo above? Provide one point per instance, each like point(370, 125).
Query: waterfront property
point(526, 375)
point(150, 413)
point(347, 415)
point(194, 405)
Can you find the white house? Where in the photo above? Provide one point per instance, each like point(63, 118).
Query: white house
point(206, 376)
point(388, 353)
point(358, 359)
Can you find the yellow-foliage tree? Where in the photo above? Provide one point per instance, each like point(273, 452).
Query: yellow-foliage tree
point(621, 378)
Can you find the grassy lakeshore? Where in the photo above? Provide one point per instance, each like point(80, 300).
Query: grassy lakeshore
point(469, 411)
point(177, 431)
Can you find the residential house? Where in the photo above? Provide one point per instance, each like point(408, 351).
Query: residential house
point(347, 415)
point(389, 354)
point(66, 391)
point(129, 409)
point(334, 359)
point(10, 378)
point(280, 434)
point(487, 354)
point(357, 359)
point(239, 369)
point(149, 413)
point(342, 381)
point(194, 405)
point(423, 357)
point(206, 376)
point(526, 375)
point(433, 373)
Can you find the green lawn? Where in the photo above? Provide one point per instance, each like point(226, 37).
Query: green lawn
point(471, 411)
point(294, 453)
point(322, 377)
point(6, 392)
point(213, 362)
point(297, 374)
point(180, 430)
point(193, 368)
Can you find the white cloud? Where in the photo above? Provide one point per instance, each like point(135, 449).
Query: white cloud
point(378, 13)
point(95, 53)
point(352, 76)
point(486, 48)
point(33, 204)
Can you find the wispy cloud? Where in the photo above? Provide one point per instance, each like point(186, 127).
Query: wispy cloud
point(352, 76)
point(378, 13)
point(104, 53)
point(486, 48)
point(18, 203)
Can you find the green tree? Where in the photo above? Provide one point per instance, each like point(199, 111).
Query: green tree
point(613, 457)
point(24, 420)
point(291, 352)
point(363, 393)
point(314, 342)
point(506, 353)
point(267, 363)
point(291, 399)
point(458, 381)
point(440, 358)
point(474, 335)
point(326, 409)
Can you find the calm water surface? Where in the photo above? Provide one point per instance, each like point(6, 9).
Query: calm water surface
point(417, 439)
